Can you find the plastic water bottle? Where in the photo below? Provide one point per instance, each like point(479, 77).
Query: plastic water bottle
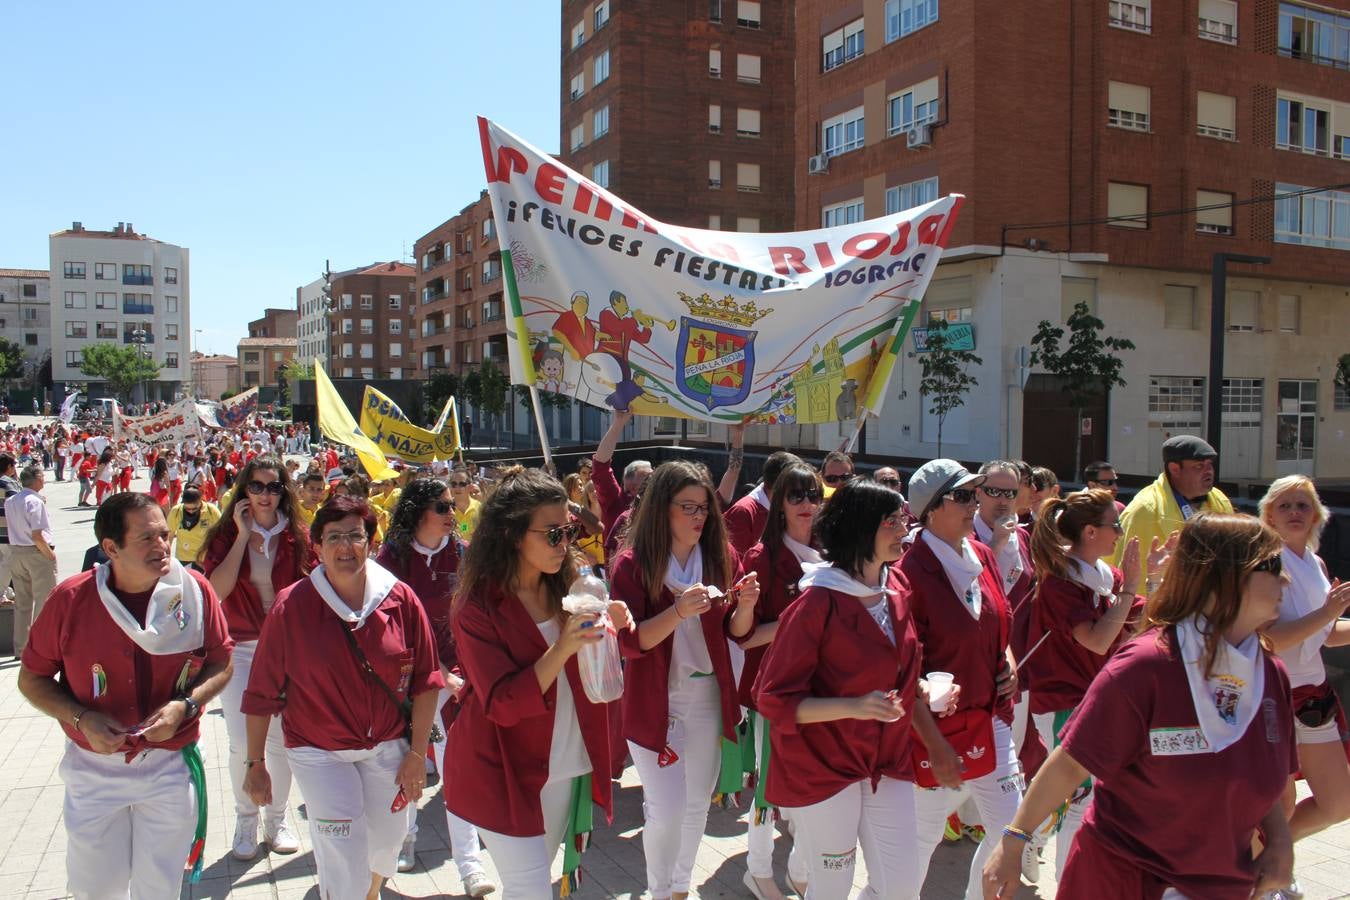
point(598, 663)
point(588, 584)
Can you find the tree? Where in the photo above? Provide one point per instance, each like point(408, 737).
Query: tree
point(439, 387)
point(945, 379)
point(1087, 368)
point(11, 362)
point(122, 366)
point(1343, 372)
point(493, 393)
point(297, 370)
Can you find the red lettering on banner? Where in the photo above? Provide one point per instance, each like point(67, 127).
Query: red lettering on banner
point(901, 239)
point(548, 183)
point(929, 229)
point(787, 260)
point(853, 246)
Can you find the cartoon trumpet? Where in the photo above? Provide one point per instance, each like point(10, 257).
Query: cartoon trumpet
point(647, 321)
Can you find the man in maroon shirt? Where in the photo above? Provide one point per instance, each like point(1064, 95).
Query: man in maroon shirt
point(614, 501)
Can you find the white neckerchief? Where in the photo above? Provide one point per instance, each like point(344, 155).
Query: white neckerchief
point(962, 569)
point(760, 496)
point(429, 553)
point(830, 577)
point(681, 578)
point(173, 619)
point(689, 652)
point(804, 553)
point(1306, 593)
point(1009, 556)
point(1226, 701)
point(1097, 578)
point(269, 533)
point(379, 582)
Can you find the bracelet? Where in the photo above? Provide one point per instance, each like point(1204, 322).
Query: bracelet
point(1018, 833)
point(250, 763)
point(676, 607)
point(75, 720)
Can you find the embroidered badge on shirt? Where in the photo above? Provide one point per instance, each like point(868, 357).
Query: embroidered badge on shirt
point(1226, 696)
point(405, 678)
point(1177, 741)
point(100, 680)
point(179, 614)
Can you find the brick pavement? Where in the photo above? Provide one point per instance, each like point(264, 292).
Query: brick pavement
point(32, 841)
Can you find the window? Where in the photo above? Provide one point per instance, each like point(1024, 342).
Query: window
point(601, 68)
point(913, 106)
point(492, 270)
point(907, 196)
point(367, 301)
point(600, 173)
point(714, 10)
point(601, 14)
point(74, 358)
point(1289, 313)
point(1176, 401)
point(395, 350)
point(842, 45)
point(346, 301)
point(30, 314)
point(578, 34)
point(905, 16)
point(171, 360)
point(105, 300)
point(347, 371)
point(747, 224)
point(105, 271)
point(1128, 106)
point(714, 62)
point(1244, 310)
point(1134, 16)
point(347, 326)
point(1218, 220)
point(367, 351)
point(395, 326)
point(843, 133)
point(1341, 397)
point(714, 223)
point(170, 304)
point(170, 275)
point(578, 85)
point(492, 310)
point(747, 14)
point(747, 177)
point(747, 68)
point(77, 330)
point(251, 378)
point(76, 299)
point(714, 173)
point(489, 230)
point(136, 274)
point(1317, 35)
point(1179, 307)
point(367, 373)
point(171, 331)
point(1218, 21)
point(466, 280)
point(1073, 291)
point(1299, 125)
point(29, 290)
point(600, 123)
point(395, 301)
point(1127, 205)
point(747, 122)
point(1216, 116)
point(846, 213)
point(367, 326)
point(74, 270)
point(106, 331)
point(715, 118)
point(1320, 219)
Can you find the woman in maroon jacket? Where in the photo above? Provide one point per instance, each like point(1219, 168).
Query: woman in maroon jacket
point(838, 685)
point(529, 751)
point(777, 562)
point(679, 700)
point(256, 549)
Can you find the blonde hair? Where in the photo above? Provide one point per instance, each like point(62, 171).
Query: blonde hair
point(1288, 484)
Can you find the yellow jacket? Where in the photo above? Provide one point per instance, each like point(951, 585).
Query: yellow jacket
point(1153, 513)
point(190, 541)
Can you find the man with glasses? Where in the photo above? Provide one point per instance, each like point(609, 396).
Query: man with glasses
point(1184, 489)
point(1102, 476)
point(836, 471)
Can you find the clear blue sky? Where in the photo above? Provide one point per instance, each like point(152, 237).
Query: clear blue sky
point(265, 137)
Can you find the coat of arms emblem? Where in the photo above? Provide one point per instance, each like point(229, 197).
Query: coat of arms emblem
point(715, 352)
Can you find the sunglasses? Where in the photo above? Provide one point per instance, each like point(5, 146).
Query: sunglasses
point(1005, 493)
point(459, 484)
point(1272, 564)
point(960, 495)
point(1105, 482)
point(693, 509)
point(1114, 526)
point(838, 479)
point(442, 507)
point(795, 498)
point(559, 534)
point(275, 488)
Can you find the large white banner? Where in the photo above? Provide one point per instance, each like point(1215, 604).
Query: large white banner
point(177, 423)
point(613, 308)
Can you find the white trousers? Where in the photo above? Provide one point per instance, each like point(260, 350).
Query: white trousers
point(675, 799)
point(881, 821)
point(463, 835)
point(995, 796)
point(236, 728)
point(1073, 817)
point(525, 863)
point(347, 796)
point(759, 841)
point(129, 826)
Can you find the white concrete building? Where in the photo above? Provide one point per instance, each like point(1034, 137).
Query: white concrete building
point(312, 326)
point(26, 313)
point(108, 285)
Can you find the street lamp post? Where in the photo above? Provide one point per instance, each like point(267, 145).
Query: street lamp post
point(196, 388)
point(1218, 325)
point(138, 338)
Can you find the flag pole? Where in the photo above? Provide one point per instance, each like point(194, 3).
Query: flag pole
point(847, 445)
point(543, 435)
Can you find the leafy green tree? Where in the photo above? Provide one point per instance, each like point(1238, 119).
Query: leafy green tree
point(1087, 367)
point(494, 385)
point(945, 381)
point(1343, 372)
point(120, 365)
point(438, 388)
point(11, 362)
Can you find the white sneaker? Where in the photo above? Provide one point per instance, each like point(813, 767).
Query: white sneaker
point(281, 838)
point(407, 854)
point(245, 837)
point(478, 884)
point(1031, 863)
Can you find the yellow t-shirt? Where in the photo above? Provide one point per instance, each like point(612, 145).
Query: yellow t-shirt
point(190, 540)
point(468, 520)
point(306, 516)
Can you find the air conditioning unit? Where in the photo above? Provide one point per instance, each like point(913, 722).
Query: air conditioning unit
point(919, 136)
point(576, 95)
point(817, 165)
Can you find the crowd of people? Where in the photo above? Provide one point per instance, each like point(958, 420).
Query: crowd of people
point(864, 663)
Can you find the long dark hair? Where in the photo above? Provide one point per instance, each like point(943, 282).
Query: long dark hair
point(649, 529)
point(285, 506)
point(413, 503)
point(796, 476)
point(492, 560)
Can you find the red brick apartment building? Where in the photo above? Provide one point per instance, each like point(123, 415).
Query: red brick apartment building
point(1140, 122)
point(370, 328)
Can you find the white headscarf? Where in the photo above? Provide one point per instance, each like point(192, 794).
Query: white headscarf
point(173, 619)
point(1097, 578)
point(1226, 701)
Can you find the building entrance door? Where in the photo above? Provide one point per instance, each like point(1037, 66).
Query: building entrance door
point(1048, 425)
point(1296, 428)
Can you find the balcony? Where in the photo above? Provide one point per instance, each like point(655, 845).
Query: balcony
point(431, 296)
point(138, 309)
point(138, 279)
point(128, 339)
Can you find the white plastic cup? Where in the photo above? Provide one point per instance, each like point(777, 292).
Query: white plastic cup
point(939, 688)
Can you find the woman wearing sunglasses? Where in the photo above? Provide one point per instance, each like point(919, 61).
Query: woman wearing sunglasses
point(1309, 620)
point(961, 617)
point(679, 702)
point(1078, 617)
point(1190, 731)
point(256, 549)
point(348, 656)
point(839, 685)
point(529, 752)
point(787, 545)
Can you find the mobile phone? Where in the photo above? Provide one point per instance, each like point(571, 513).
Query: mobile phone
point(400, 801)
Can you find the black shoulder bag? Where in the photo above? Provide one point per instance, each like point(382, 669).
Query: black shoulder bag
point(404, 705)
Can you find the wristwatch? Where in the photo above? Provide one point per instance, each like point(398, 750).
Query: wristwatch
point(194, 708)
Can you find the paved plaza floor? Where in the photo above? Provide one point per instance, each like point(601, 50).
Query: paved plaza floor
point(33, 844)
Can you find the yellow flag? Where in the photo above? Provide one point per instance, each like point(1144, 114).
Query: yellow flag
point(382, 419)
point(337, 424)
